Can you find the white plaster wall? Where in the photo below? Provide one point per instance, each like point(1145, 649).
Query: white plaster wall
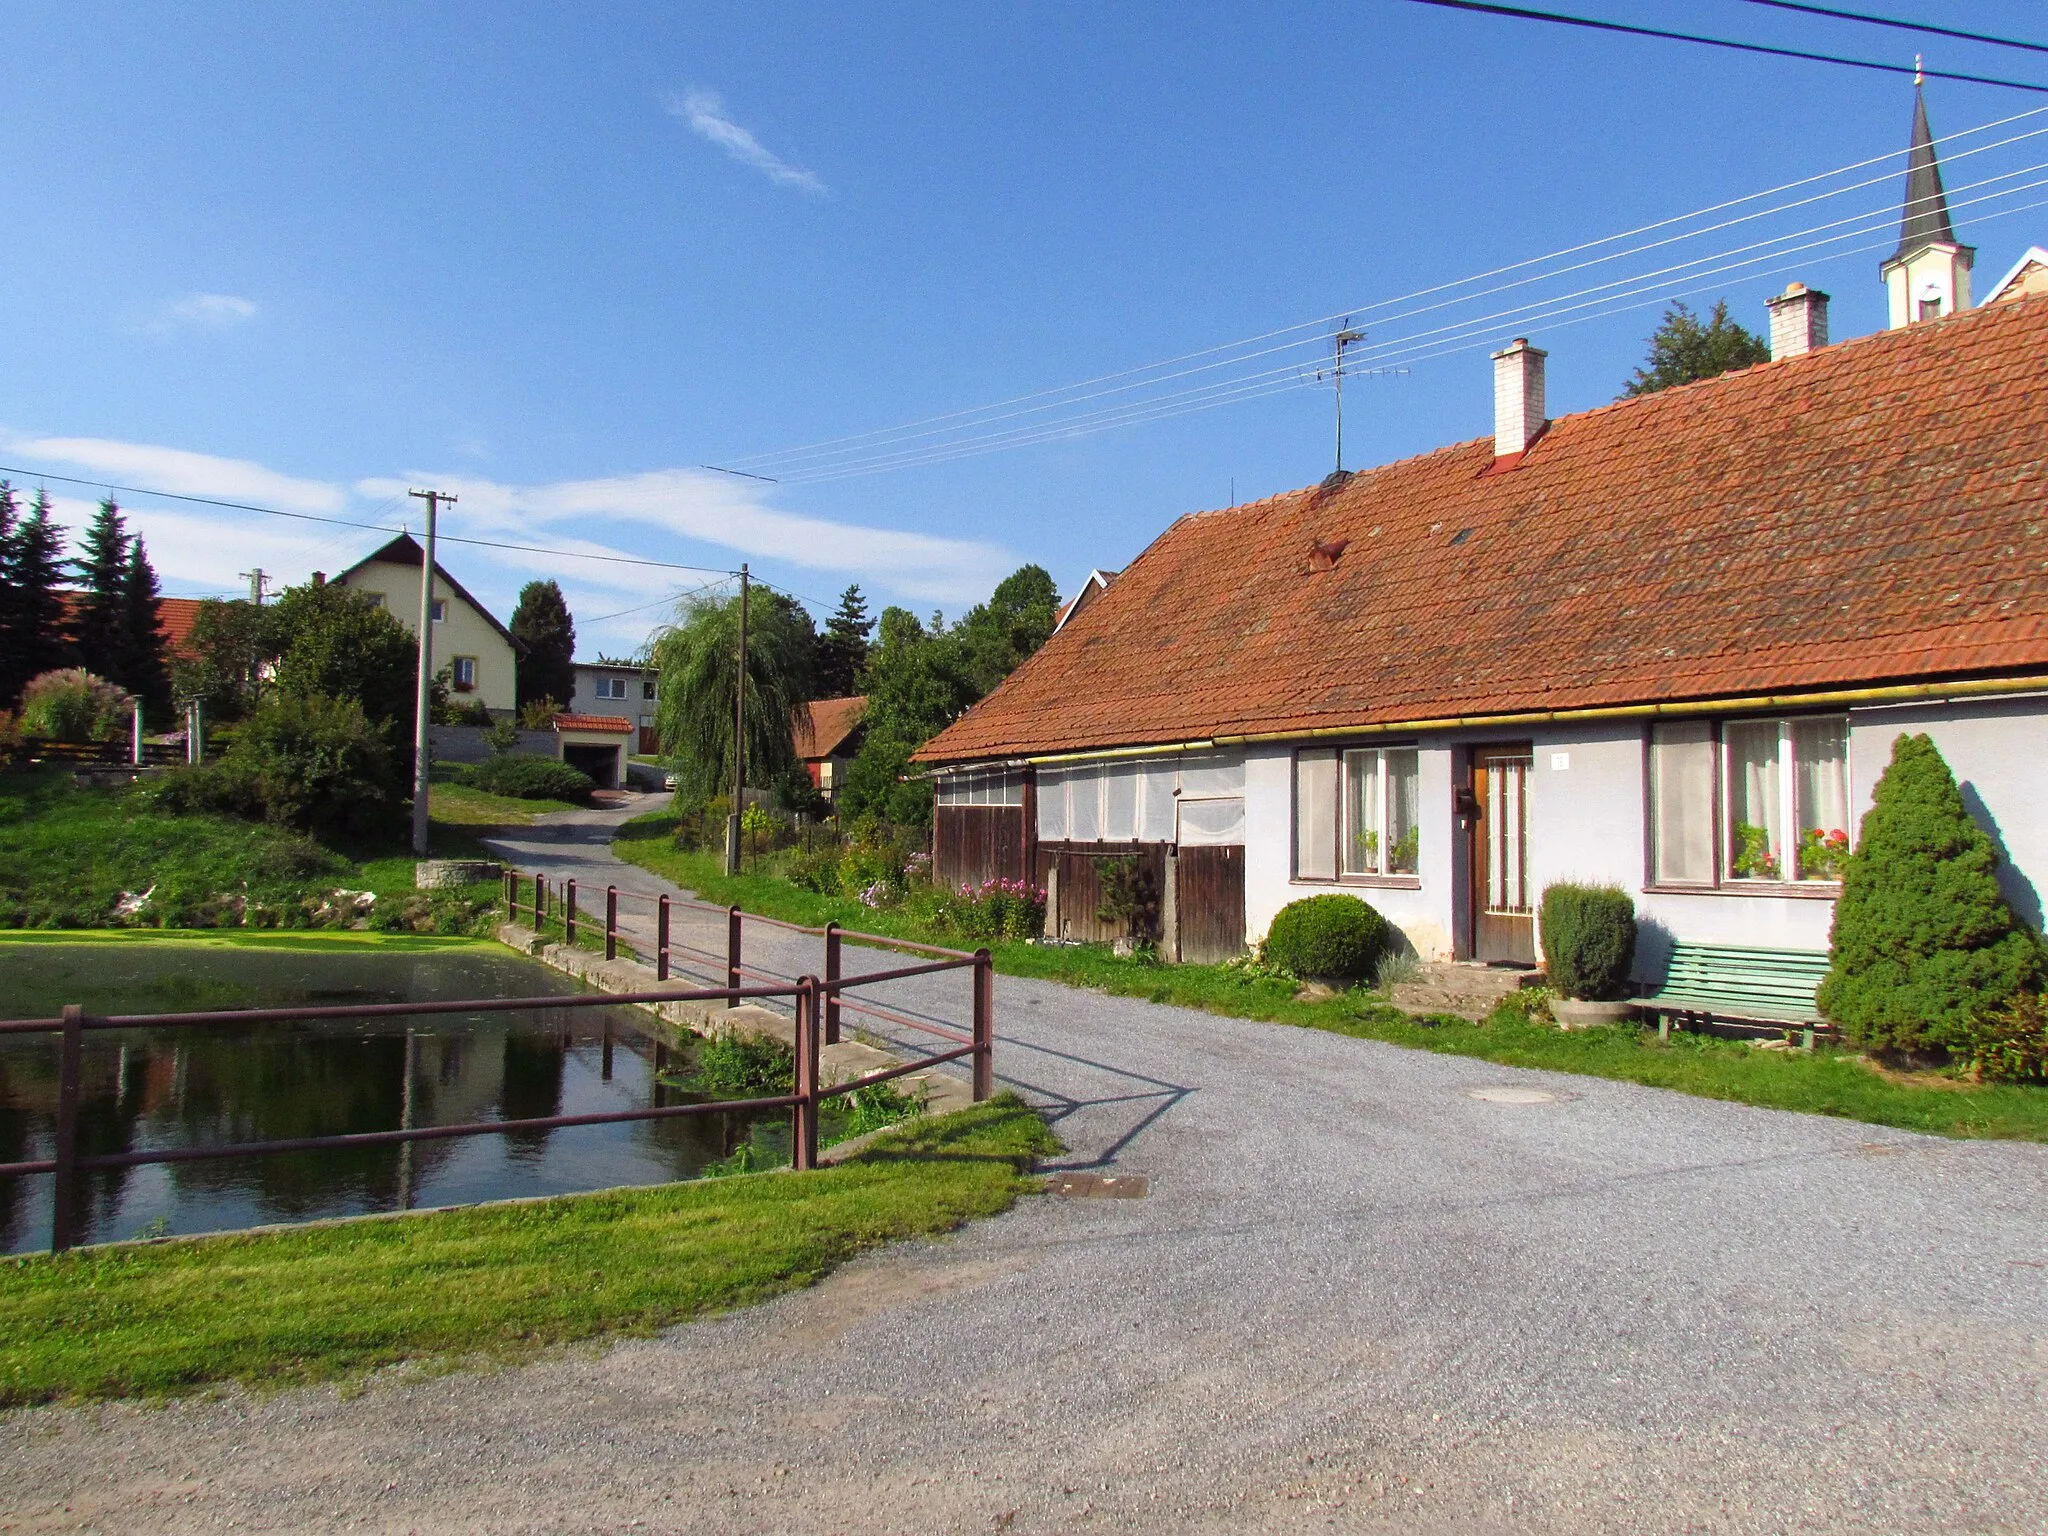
point(1997, 750)
point(464, 632)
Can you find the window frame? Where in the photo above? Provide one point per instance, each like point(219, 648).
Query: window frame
point(1723, 883)
point(456, 666)
point(440, 610)
point(1341, 814)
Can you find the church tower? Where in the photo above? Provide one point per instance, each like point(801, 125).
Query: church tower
point(1928, 276)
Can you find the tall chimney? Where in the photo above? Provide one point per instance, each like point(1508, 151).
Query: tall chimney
point(1799, 320)
point(1517, 397)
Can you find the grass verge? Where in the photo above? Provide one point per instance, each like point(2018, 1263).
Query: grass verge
point(489, 1283)
point(1827, 1082)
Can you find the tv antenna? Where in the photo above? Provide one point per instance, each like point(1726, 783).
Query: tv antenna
point(1347, 337)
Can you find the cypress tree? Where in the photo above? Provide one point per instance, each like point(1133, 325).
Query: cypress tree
point(142, 638)
point(35, 575)
point(541, 623)
point(97, 629)
point(1923, 940)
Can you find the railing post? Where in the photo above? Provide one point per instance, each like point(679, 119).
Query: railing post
point(508, 889)
point(661, 938)
point(803, 1154)
point(540, 901)
point(64, 1208)
point(984, 1026)
point(569, 911)
point(611, 922)
point(831, 977)
point(732, 949)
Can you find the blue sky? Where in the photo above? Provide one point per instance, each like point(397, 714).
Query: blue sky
point(553, 258)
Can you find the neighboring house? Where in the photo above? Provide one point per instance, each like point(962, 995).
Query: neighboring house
point(620, 693)
point(595, 743)
point(174, 619)
point(1097, 582)
point(1667, 643)
point(478, 653)
point(830, 739)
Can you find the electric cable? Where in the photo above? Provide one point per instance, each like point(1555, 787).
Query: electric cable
point(1901, 25)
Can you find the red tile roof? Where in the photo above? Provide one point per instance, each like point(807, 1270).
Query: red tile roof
point(830, 722)
point(174, 616)
point(1872, 512)
point(593, 723)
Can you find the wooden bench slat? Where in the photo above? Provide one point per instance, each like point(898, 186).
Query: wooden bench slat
point(1741, 982)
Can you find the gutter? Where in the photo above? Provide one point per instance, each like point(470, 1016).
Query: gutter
point(1893, 694)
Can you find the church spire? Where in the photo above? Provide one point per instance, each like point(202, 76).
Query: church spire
point(1929, 274)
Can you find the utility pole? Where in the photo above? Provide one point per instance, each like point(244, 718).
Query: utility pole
point(422, 747)
point(1344, 338)
point(739, 738)
point(258, 580)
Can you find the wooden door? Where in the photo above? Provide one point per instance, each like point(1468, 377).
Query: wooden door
point(1503, 917)
point(1208, 903)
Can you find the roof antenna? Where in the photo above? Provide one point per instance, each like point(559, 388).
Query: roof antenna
point(1347, 337)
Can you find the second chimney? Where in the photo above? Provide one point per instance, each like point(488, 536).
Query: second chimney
point(1799, 321)
point(1517, 397)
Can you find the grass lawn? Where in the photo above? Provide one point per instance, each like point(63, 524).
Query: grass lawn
point(490, 1283)
point(1827, 1082)
point(67, 856)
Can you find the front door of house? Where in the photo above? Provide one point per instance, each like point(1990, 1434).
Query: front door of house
point(1503, 922)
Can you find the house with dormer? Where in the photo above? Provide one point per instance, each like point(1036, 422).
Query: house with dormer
point(1666, 643)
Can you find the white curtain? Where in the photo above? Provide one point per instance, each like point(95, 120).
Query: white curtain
point(1363, 846)
point(1084, 803)
point(1052, 805)
point(1756, 820)
point(1159, 777)
point(1211, 823)
point(1120, 802)
point(1682, 802)
point(1820, 752)
point(1315, 815)
point(1400, 836)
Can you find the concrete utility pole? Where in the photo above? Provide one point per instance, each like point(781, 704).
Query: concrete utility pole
point(259, 579)
point(422, 747)
point(739, 738)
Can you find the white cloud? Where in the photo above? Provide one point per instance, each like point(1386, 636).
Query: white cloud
point(184, 473)
point(705, 113)
point(204, 311)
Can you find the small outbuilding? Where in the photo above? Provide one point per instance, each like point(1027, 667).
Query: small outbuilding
point(596, 744)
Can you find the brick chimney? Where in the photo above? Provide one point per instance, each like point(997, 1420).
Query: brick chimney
point(1517, 397)
point(1799, 321)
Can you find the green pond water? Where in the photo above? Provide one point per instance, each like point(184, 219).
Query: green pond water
point(151, 1089)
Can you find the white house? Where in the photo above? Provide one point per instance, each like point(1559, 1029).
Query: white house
point(619, 691)
point(1666, 643)
point(478, 653)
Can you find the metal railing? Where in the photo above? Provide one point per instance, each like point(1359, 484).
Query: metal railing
point(817, 1003)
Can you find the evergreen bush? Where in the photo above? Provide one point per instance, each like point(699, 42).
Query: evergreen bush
point(1923, 941)
point(1589, 940)
point(1327, 938)
point(527, 776)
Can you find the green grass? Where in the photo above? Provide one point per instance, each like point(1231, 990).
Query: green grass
point(490, 1283)
point(67, 855)
point(1826, 1082)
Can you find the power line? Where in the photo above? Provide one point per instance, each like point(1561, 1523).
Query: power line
point(1903, 26)
point(1519, 13)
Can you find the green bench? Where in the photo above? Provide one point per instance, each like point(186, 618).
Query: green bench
point(1737, 984)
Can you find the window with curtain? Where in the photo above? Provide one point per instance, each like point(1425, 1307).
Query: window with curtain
point(1682, 803)
point(1781, 789)
point(1355, 813)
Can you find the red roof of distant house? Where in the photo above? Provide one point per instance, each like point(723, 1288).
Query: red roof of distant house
point(174, 618)
point(830, 722)
point(1866, 513)
point(593, 723)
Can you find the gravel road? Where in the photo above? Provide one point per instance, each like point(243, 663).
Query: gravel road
point(1359, 1296)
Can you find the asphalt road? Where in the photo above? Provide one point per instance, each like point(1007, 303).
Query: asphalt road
point(1359, 1296)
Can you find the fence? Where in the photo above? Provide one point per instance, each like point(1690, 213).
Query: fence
point(818, 1004)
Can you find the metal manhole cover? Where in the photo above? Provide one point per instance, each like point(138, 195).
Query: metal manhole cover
point(1512, 1095)
point(1099, 1186)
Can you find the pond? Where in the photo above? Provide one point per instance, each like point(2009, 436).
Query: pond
point(156, 1089)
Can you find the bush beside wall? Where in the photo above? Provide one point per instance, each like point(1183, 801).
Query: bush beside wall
point(1589, 940)
point(1327, 938)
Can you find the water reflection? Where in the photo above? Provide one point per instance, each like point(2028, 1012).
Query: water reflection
point(156, 1089)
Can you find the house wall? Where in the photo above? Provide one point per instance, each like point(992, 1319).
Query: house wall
point(464, 632)
point(635, 706)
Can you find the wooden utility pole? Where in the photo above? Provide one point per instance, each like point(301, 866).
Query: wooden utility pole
point(739, 738)
point(422, 746)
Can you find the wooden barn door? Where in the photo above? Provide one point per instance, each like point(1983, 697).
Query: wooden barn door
point(1503, 916)
point(1208, 901)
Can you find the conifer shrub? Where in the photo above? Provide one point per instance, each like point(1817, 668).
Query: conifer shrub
point(1337, 939)
point(1589, 940)
point(528, 776)
point(1923, 942)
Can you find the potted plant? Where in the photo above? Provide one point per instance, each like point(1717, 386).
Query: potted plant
point(1589, 947)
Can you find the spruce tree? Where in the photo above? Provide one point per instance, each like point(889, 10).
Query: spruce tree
point(144, 670)
point(1923, 940)
point(542, 625)
point(10, 601)
point(35, 576)
point(843, 647)
point(97, 630)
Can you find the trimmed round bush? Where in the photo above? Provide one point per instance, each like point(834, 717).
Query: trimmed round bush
point(526, 776)
point(1327, 938)
point(1589, 940)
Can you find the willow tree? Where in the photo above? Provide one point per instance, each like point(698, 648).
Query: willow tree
point(697, 658)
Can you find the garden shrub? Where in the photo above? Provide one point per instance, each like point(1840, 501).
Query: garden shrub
point(1326, 938)
point(303, 761)
point(1923, 941)
point(2009, 1043)
point(816, 871)
point(72, 704)
point(1589, 940)
point(527, 776)
point(998, 909)
point(1130, 896)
